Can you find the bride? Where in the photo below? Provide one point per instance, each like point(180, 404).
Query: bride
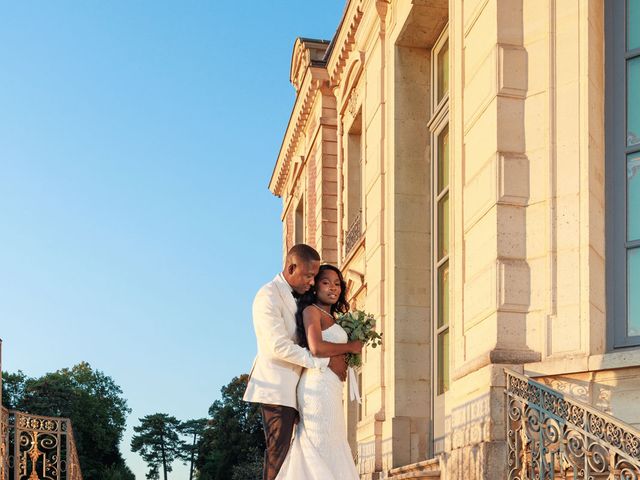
point(319, 450)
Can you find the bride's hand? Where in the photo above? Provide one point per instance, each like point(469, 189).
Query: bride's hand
point(355, 346)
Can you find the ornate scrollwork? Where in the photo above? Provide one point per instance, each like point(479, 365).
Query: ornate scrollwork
point(353, 104)
point(354, 234)
point(4, 443)
point(551, 436)
point(37, 448)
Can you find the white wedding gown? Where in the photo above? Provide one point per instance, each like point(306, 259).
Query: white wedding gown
point(319, 450)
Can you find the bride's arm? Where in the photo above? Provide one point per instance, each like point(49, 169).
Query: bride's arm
point(317, 346)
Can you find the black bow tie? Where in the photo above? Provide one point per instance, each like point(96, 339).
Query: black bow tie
point(296, 295)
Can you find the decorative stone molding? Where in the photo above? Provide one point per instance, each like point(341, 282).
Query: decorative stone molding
point(299, 62)
point(344, 41)
point(382, 7)
point(306, 52)
point(352, 103)
point(348, 92)
point(309, 76)
point(295, 129)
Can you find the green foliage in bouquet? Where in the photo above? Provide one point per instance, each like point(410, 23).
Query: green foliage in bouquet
point(359, 326)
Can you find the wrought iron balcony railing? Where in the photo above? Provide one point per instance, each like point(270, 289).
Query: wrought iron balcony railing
point(354, 233)
point(551, 436)
point(34, 447)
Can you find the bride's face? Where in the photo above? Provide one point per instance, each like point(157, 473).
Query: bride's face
point(328, 287)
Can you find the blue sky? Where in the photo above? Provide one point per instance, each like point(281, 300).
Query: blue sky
point(137, 139)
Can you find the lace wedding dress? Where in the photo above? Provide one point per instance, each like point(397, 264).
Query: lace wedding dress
point(319, 450)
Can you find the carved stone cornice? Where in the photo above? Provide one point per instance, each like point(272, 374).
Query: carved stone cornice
point(325, 74)
point(306, 52)
point(300, 60)
point(313, 82)
point(344, 40)
point(308, 75)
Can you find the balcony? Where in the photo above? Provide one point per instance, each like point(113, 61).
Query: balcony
point(34, 447)
point(353, 234)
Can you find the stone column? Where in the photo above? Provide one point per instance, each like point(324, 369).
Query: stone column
point(490, 192)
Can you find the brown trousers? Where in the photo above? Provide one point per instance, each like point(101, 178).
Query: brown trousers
point(278, 422)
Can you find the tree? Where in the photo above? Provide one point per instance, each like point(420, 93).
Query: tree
point(233, 438)
point(118, 472)
point(251, 468)
point(158, 442)
point(93, 402)
point(13, 385)
point(193, 428)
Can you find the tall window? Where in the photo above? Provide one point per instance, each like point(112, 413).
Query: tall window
point(623, 171)
point(299, 221)
point(354, 193)
point(354, 173)
point(439, 128)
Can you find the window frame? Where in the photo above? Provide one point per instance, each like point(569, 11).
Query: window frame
point(438, 122)
point(617, 246)
point(355, 168)
point(300, 221)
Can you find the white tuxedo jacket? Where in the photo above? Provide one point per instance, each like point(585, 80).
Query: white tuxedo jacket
point(278, 365)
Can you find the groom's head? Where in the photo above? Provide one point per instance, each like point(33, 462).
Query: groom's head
point(301, 267)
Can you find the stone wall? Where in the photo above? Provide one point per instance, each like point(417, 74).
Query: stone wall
point(526, 124)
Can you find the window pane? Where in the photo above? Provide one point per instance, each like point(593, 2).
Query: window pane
point(354, 171)
point(443, 159)
point(633, 196)
point(443, 362)
point(633, 287)
point(443, 226)
point(299, 222)
point(443, 295)
point(633, 24)
point(633, 101)
point(443, 71)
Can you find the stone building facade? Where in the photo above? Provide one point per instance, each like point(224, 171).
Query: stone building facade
point(454, 159)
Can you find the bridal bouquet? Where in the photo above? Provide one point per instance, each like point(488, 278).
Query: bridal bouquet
point(359, 326)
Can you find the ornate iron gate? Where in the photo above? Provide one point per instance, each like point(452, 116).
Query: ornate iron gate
point(4, 443)
point(34, 447)
point(550, 436)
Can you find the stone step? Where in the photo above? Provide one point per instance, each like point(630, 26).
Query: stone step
point(432, 475)
point(425, 469)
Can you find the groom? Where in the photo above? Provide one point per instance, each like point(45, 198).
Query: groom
point(280, 360)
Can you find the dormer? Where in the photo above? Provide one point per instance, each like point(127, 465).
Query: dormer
point(306, 52)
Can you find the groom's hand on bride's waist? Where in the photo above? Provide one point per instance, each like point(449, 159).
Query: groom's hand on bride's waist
point(338, 365)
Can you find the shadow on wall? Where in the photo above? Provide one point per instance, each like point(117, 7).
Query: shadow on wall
point(470, 433)
point(615, 392)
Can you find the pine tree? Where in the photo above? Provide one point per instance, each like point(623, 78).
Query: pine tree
point(233, 441)
point(158, 442)
point(192, 428)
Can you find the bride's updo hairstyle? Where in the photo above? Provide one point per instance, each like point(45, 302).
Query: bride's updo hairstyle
point(309, 298)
